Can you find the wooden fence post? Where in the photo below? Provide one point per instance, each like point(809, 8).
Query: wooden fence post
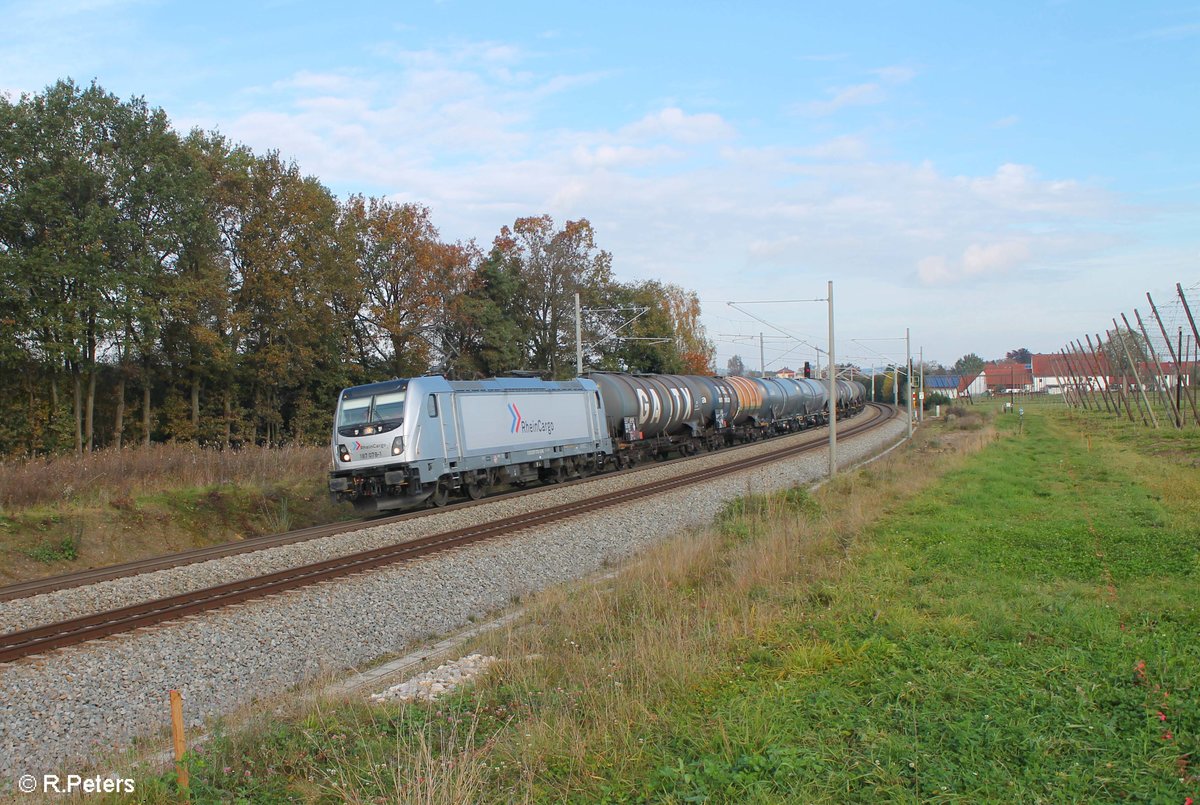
point(178, 740)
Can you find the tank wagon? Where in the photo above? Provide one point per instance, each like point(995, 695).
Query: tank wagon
point(403, 443)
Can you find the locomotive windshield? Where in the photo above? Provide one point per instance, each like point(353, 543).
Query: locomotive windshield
point(377, 412)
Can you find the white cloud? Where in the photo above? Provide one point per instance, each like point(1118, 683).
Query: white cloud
point(845, 147)
point(1019, 188)
point(864, 94)
point(673, 123)
point(622, 156)
point(855, 95)
point(1006, 122)
point(681, 194)
point(976, 260)
point(896, 74)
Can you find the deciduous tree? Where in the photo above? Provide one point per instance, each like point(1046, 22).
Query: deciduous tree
point(968, 364)
point(1021, 355)
point(553, 265)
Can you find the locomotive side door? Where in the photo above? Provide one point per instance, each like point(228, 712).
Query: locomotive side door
point(440, 409)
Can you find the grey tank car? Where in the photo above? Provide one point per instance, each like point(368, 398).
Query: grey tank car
point(404, 443)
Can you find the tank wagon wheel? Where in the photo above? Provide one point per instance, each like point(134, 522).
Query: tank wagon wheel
point(475, 490)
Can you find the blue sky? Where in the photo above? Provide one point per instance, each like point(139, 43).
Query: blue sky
point(990, 176)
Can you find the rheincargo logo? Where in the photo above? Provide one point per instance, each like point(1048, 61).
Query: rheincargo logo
point(520, 425)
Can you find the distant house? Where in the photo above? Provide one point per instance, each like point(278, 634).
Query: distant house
point(786, 373)
point(955, 386)
point(971, 385)
point(1004, 376)
point(1051, 373)
point(942, 384)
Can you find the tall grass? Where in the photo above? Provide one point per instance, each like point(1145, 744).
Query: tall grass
point(578, 708)
point(128, 472)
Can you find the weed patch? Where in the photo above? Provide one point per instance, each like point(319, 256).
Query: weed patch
point(64, 550)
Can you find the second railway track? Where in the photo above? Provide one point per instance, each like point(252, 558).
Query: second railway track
point(82, 578)
point(16, 645)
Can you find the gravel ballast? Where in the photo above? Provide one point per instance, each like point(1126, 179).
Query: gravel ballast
point(78, 703)
point(27, 613)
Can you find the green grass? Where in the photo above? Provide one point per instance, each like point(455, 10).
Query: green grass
point(64, 550)
point(58, 538)
point(1019, 632)
point(1019, 624)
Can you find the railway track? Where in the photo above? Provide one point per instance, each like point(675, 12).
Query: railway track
point(82, 578)
point(16, 645)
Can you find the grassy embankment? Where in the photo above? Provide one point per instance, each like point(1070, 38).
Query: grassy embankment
point(960, 622)
point(64, 514)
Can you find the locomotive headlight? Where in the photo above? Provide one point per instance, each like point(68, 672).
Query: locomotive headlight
point(397, 445)
point(344, 452)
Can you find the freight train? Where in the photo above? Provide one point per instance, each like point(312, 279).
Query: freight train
point(425, 440)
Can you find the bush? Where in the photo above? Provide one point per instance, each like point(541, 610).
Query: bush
point(959, 417)
point(935, 398)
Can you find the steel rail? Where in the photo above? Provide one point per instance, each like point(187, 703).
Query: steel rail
point(16, 645)
point(82, 578)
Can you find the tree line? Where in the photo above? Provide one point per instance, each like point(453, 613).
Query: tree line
point(157, 286)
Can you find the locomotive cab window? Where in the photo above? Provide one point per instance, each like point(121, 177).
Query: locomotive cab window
point(433, 406)
point(355, 412)
point(388, 407)
point(378, 413)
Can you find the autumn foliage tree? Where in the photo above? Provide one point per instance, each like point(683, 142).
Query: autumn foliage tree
point(554, 265)
point(158, 287)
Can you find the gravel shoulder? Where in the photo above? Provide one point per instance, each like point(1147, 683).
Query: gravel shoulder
point(77, 704)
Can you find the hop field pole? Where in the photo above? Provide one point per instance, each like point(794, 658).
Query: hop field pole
point(1115, 396)
point(1177, 357)
point(1122, 392)
point(1094, 372)
point(1137, 378)
point(1169, 401)
point(1074, 400)
point(1187, 310)
point(1086, 389)
point(1080, 400)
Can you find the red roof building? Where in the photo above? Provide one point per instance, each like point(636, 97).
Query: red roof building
point(1007, 375)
